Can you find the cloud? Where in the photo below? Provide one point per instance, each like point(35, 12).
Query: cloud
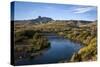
point(82, 9)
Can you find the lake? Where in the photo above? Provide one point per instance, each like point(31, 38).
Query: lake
point(60, 49)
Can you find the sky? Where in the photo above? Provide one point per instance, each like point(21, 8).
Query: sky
point(31, 10)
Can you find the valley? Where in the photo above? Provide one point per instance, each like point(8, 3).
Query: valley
point(31, 39)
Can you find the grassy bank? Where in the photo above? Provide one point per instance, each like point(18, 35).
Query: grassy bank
point(28, 43)
point(87, 35)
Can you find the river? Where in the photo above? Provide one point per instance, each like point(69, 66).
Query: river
point(61, 49)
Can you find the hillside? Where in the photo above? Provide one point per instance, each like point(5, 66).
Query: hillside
point(84, 32)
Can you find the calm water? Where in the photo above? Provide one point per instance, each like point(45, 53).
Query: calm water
point(60, 49)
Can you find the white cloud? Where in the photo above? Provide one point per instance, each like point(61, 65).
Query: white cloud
point(82, 9)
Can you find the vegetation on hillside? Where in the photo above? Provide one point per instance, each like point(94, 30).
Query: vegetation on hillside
point(82, 32)
point(87, 35)
point(29, 42)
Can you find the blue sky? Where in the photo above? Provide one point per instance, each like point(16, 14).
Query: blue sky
point(30, 10)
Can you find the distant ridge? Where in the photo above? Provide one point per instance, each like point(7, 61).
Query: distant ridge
point(37, 20)
point(40, 19)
